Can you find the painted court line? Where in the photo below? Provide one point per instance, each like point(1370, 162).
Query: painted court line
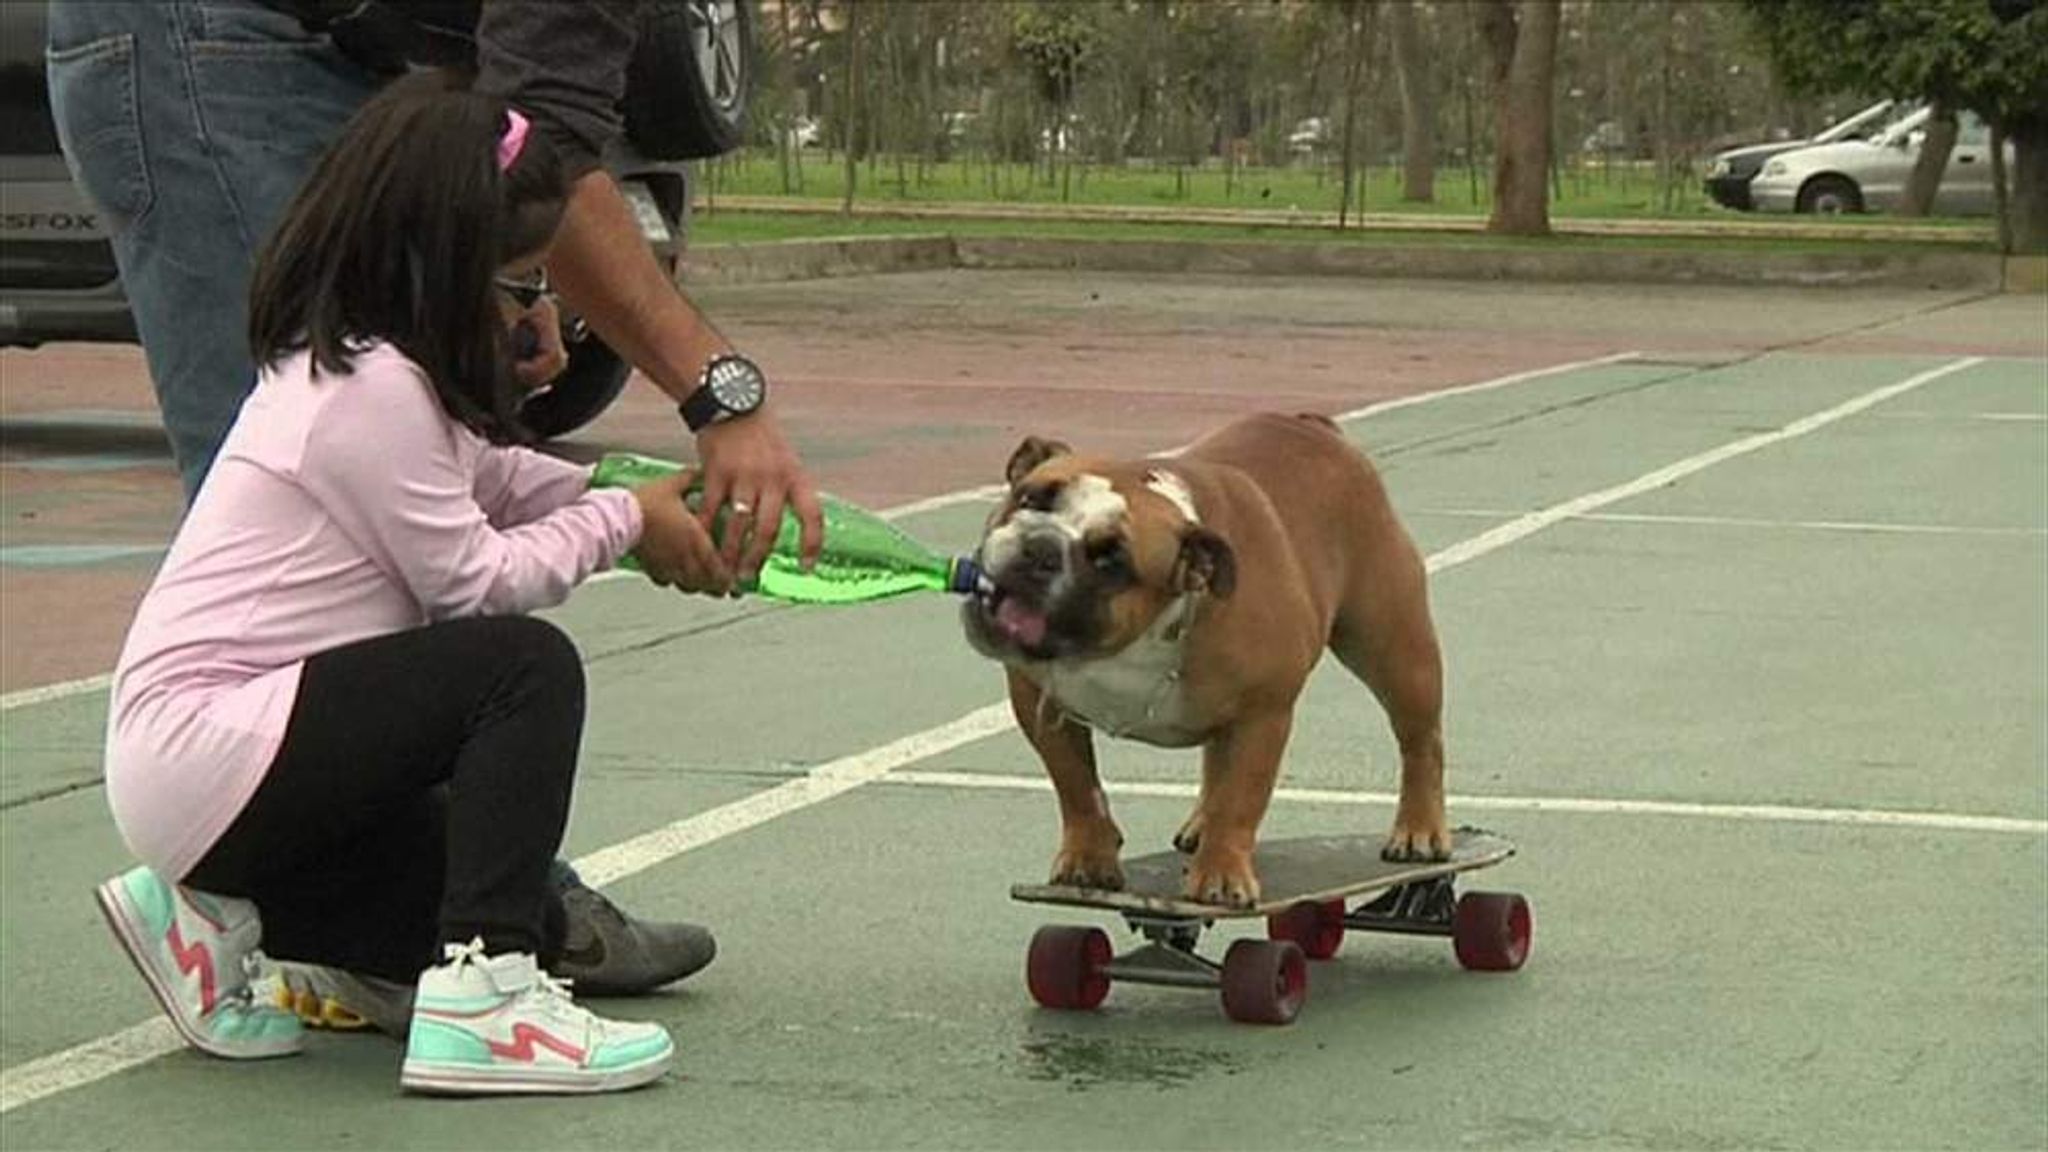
point(47, 692)
point(115, 1053)
point(1748, 522)
point(1535, 522)
point(40, 1078)
point(1776, 813)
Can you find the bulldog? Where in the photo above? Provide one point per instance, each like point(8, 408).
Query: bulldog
point(1183, 602)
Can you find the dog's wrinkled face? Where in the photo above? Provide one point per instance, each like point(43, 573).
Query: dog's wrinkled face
point(1085, 555)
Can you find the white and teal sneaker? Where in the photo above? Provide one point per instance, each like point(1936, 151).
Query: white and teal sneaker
point(198, 953)
point(490, 1024)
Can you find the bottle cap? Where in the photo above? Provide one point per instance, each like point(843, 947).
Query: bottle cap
point(967, 578)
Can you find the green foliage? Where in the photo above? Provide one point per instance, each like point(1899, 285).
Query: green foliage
point(1989, 56)
point(1057, 41)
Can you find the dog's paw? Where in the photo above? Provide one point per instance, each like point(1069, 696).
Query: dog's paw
point(1189, 838)
point(1418, 841)
point(1089, 860)
point(1222, 877)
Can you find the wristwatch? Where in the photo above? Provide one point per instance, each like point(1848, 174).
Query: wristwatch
point(730, 387)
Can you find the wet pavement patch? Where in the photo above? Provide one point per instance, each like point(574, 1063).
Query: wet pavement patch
point(1083, 1062)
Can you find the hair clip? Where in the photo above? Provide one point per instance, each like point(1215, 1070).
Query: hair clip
point(513, 141)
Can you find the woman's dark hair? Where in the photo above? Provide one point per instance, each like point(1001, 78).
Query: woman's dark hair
point(397, 236)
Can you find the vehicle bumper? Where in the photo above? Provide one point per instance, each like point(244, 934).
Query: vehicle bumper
point(1730, 191)
point(1773, 195)
point(100, 316)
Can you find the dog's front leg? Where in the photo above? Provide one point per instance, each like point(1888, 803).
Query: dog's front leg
point(1238, 771)
point(1089, 837)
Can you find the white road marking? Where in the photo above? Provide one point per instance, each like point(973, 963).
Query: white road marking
point(47, 692)
point(1749, 522)
point(109, 1055)
point(1527, 525)
point(644, 851)
point(1776, 813)
point(93, 1060)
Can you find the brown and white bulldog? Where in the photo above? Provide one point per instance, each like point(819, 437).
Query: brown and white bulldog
point(1185, 601)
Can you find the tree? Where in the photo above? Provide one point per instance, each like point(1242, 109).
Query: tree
point(1987, 56)
point(1522, 36)
point(1917, 199)
point(1418, 106)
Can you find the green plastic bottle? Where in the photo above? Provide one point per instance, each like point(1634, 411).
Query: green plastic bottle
point(864, 556)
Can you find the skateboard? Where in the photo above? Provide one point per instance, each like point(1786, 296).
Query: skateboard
point(1305, 883)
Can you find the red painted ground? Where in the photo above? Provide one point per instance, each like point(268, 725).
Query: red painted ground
point(901, 387)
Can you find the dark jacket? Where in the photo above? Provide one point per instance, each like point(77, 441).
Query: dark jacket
point(562, 62)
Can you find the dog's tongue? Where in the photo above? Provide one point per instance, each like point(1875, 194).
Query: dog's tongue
point(1023, 625)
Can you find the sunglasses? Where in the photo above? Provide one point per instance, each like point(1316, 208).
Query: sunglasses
point(526, 293)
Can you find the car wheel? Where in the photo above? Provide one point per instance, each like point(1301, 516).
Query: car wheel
point(1830, 196)
point(594, 378)
point(686, 87)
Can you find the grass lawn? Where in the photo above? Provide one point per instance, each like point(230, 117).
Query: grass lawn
point(717, 226)
point(1619, 191)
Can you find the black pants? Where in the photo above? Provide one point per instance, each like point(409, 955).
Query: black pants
point(418, 799)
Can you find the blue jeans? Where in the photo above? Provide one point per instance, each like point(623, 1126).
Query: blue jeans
point(191, 124)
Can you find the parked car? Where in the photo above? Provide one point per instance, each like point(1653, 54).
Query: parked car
point(1870, 175)
point(1730, 172)
point(58, 280)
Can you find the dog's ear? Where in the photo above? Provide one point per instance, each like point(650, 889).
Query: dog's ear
point(1206, 564)
point(1030, 454)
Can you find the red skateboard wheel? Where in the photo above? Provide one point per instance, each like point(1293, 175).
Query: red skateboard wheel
point(1064, 966)
point(1317, 928)
point(1264, 981)
point(1490, 931)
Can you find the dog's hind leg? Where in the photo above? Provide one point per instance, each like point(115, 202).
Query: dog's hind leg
point(1384, 635)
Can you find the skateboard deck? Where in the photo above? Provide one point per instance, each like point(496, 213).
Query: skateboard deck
point(1301, 870)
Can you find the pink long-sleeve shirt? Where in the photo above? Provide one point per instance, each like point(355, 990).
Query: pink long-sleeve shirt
point(339, 508)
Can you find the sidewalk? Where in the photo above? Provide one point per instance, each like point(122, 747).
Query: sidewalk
point(1799, 228)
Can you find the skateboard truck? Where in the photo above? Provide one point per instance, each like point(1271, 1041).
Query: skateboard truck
point(1423, 908)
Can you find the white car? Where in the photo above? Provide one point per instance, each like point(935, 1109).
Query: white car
point(1870, 175)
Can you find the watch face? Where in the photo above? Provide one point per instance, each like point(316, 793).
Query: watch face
point(736, 385)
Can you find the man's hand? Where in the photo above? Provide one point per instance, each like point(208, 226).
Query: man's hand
point(603, 267)
point(747, 462)
point(674, 549)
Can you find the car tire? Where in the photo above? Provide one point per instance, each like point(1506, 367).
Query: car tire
point(686, 86)
point(594, 378)
point(1830, 196)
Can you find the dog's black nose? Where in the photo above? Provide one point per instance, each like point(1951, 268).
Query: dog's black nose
point(1043, 556)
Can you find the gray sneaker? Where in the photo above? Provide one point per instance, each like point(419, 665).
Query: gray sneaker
point(337, 1000)
point(608, 953)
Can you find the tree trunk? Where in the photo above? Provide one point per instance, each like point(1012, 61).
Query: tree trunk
point(2030, 187)
point(1353, 19)
point(1418, 107)
point(1521, 167)
point(2001, 204)
point(1935, 146)
point(852, 108)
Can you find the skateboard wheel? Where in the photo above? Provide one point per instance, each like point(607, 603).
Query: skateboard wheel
point(1264, 981)
point(1490, 931)
point(1064, 966)
point(1317, 928)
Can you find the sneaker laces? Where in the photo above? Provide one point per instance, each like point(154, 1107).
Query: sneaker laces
point(545, 984)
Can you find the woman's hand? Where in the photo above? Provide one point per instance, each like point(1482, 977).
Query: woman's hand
point(675, 549)
point(549, 357)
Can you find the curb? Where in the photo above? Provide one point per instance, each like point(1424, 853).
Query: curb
point(784, 260)
point(767, 262)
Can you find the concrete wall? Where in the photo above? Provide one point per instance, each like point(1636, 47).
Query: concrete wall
point(854, 256)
